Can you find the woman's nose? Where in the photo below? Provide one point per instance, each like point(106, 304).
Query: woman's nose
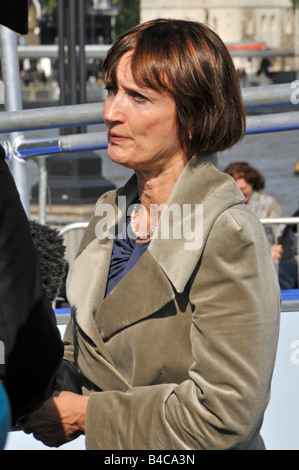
point(113, 108)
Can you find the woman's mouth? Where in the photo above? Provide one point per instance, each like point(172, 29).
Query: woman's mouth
point(114, 138)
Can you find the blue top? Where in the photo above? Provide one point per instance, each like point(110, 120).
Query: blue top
point(4, 416)
point(125, 254)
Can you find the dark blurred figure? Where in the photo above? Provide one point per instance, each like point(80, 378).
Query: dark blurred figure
point(28, 332)
point(266, 69)
point(14, 15)
point(288, 268)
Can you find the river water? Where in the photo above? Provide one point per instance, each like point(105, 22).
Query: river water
point(273, 154)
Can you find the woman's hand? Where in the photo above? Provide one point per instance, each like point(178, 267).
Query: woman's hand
point(276, 252)
point(60, 420)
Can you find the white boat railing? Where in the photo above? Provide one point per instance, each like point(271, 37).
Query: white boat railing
point(92, 113)
point(283, 221)
point(19, 149)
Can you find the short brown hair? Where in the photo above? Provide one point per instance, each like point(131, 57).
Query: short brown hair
point(250, 174)
point(189, 61)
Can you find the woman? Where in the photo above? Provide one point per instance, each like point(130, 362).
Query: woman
point(251, 182)
point(173, 334)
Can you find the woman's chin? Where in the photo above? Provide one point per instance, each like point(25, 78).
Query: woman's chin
point(119, 159)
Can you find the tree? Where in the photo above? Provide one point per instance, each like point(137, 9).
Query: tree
point(48, 7)
point(129, 15)
point(129, 12)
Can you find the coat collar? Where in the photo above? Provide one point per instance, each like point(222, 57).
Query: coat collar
point(201, 194)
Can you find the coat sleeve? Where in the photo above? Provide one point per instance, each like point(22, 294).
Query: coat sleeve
point(28, 331)
point(236, 304)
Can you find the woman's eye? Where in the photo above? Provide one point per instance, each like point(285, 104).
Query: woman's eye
point(139, 97)
point(111, 90)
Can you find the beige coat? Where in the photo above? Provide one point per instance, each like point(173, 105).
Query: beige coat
point(180, 354)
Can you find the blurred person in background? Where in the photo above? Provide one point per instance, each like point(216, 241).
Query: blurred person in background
point(251, 182)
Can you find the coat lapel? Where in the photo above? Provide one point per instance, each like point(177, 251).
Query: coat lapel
point(85, 290)
point(165, 267)
point(143, 291)
point(88, 275)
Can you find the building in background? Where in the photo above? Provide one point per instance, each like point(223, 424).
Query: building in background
point(262, 35)
point(252, 29)
point(40, 75)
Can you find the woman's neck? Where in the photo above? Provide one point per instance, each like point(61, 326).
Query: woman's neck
point(154, 191)
point(156, 188)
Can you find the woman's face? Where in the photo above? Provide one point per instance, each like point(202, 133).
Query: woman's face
point(141, 124)
point(246, 189)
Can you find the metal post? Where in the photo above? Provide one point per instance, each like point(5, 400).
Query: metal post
point(61, 69)
point(72, 69)
point(82, 65)
point(42, 192)
point(13, 102)
point(296, 35)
